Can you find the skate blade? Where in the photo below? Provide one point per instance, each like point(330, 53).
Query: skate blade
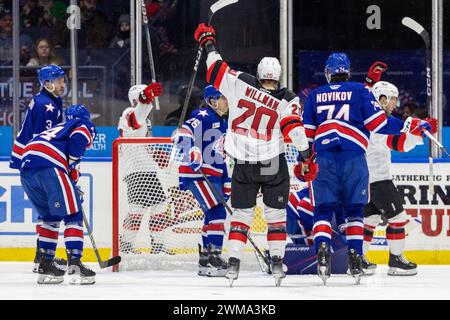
point(36, 268)
point(357, 278)
point(202, 272)
point(401, 272)
point(50, 279)
point(217, 273)
point(369, 272)
point(231, 277)
point(77, 280)
point(278, 280)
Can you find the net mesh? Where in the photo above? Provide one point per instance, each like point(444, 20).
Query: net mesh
point(160, 225)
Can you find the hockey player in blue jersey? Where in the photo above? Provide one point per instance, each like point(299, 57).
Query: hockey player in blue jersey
point(201, 141)
point(44, 111)
point(48, 175)
point(338, 119)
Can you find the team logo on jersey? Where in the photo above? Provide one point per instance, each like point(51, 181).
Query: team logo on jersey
point(216, 125)
point(326, 141)
point(49, 107)
point(57, 205)
point(280, 199)
point(203, 113)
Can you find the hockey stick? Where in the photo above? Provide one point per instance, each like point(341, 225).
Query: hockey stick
point(149, 48)
point(433, 139)
point(424, 34)
point(103, 264)
point(259, 255)
point(213, 9)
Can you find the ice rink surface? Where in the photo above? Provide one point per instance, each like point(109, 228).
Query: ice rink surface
point(18, 282)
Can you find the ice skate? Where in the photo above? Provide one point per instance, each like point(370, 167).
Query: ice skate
point(233, 270)
point(49, 273)
point(277, 270)
point(400, 266)
point(78, 272)
point(202, 262)
point(368, 267)
point(59, 262)
point(324, 262)
point(355, 265)
point(216, 266)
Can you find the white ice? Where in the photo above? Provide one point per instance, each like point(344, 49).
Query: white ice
point(18, 282)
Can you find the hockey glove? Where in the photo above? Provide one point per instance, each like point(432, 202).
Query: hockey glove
point(80, 194)
point(148, 94)
point(306, 171)
point(205, 33)
point(375, 72)
point(74, 175)
point(196, 158)
point(415, 126)
point(433, 123)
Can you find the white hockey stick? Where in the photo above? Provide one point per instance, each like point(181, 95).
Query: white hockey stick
point(435, 141)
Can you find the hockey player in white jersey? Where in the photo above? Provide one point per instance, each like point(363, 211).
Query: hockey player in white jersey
point(385, 201)
point(145, 188)
point(261, 116)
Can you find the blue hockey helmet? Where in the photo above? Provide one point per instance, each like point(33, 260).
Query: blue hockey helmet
point(50, 73)
point(77, 111)
point(337, 63)
point(211, 92)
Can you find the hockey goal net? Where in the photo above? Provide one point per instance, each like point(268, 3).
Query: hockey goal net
point(157, 226)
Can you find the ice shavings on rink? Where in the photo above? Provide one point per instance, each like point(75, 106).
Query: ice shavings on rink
point(18, 282)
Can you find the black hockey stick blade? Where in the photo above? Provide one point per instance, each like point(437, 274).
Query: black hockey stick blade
point(111, 262)
point(218, 6)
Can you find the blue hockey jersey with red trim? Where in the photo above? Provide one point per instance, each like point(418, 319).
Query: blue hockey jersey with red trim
point(44, 111)
point(342, 115)
point(206, 130)
point(54, 147)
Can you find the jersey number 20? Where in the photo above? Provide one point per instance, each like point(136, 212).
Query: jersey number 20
point(257, 114)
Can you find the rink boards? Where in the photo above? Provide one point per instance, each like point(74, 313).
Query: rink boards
point(429, 243)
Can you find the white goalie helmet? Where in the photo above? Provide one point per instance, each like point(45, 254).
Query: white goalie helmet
point(133, 93)
point(384, 88)
point(269, 69)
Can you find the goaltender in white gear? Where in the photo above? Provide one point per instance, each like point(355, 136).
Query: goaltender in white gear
point(385, 202)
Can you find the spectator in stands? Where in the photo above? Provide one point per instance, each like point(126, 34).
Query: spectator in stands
point(54, 11)
point(44, 54)
point(156, 11)
point(122, 37)
point(195, 102)
point(32, 13)
point(6, 41)
point(95, 33)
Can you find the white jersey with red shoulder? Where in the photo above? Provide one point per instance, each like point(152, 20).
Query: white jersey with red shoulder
point(259, 120)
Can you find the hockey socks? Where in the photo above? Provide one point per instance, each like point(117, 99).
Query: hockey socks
point(73, 238)
point(276, 238)
point(237, 239)
point(354, 232)
point(395, 236)
point(48, 238)
point(322, 233)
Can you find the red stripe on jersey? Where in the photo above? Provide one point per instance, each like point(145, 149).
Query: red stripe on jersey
point(85, 131)
point(289, 123)
point(132, 121)
point(345, 130)
point(48, 233)
point(17, 150)
point(72, 232)
point(401, 142)
point(209, 72)
point(209, 172)
point(208, 197)
point(293, 200)
point(372, 125)
point(48, 151)
point(354, 231)
point(310, 133)
point(67, 190)
point(220, 74)
point(307, 205)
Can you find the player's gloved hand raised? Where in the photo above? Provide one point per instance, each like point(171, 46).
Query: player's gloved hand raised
point(433, 123)
point(205, 33)
point(148, 94)
point(375, 72)
point(196, 158)
point(306, 170)
point(416, 126)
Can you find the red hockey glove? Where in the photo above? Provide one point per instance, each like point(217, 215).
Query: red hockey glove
point(74, 175)
point(433, 123)
point(375, 72)
point(306, 171)
point(415, 126)
point(148, 94)
point(205, 33)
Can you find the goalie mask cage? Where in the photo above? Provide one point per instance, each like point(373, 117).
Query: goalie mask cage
point(157, 226)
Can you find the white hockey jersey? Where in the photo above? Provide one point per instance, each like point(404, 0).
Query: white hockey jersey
point(379, 153)
point(259, 120)
point(134, 122)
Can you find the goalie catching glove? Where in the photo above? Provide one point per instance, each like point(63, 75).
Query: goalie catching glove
point(375, 72)
point(306, 170)
point(205, 33)
point(148, 94)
